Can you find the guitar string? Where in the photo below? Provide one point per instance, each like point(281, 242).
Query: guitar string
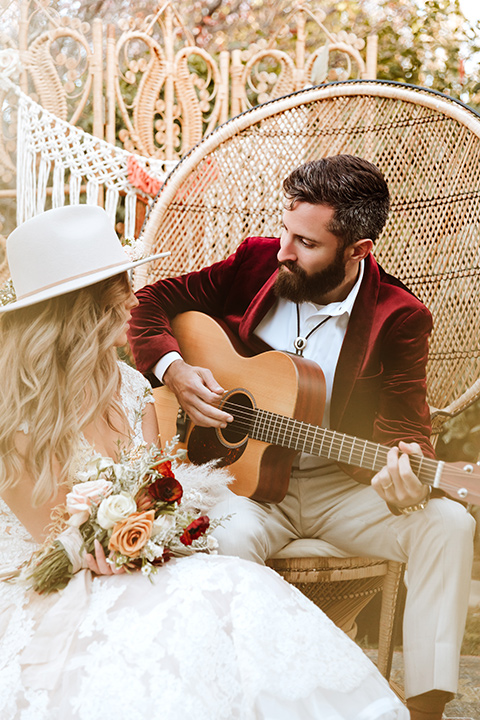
point(367, 453)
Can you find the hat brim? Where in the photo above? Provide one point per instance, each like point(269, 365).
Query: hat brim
point(77, 283)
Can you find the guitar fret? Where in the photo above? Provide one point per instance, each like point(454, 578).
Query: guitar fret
point(314, 440)
point(320, 450)
point(310, 431)
point(296, 429)
point(254, 430)
point(339, 455)
point(304, 429)
point(330, 447)
point(262, 425)
point(268, 424)
point(292, 429)
point(284, 426)
point(365, 442)
point(275, 430)
point(351, 451)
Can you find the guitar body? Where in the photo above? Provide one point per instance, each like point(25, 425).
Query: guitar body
point(273, 381)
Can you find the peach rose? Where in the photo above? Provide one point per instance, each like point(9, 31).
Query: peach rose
point(130, 535)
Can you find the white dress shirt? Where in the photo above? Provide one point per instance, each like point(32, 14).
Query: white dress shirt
point(279, 329)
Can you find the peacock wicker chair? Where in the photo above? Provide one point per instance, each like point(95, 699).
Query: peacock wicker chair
point(428, 147)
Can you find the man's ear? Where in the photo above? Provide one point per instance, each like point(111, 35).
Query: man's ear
point(359, 250)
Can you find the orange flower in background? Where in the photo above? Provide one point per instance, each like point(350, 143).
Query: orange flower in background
point(164, 469)
point(130, 535)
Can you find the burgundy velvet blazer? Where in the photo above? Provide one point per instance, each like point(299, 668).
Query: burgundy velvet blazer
point(379, 390)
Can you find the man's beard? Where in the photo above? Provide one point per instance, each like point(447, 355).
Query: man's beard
point(299, 287)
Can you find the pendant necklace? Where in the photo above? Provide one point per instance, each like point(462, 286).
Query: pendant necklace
point(300, 342)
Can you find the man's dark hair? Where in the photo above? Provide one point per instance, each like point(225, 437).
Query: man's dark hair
point(352, 186)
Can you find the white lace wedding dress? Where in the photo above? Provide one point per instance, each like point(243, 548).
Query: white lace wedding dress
point(212, 638)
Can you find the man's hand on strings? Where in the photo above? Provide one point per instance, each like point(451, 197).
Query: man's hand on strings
point(396, 483)
point(198, 393)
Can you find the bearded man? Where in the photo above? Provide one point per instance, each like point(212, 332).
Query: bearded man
point(317, 291)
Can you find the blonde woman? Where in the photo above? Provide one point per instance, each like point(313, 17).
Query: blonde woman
point(212, 637)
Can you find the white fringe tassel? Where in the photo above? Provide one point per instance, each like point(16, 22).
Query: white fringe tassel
point(58, 190)
point(75, 183)
point(111, 202)
point(42, 180)
point(92, 192)
point(130, 212)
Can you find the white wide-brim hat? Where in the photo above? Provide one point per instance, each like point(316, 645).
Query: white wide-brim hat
point(64, 249)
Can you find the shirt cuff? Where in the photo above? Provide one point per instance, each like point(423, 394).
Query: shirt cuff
point(164, 363)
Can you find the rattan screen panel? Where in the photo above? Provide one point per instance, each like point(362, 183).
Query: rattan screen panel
point(428, 147)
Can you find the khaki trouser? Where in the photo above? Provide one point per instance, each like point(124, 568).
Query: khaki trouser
point(437, 544)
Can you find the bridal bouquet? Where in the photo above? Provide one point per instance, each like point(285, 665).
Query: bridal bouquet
point(134, 508)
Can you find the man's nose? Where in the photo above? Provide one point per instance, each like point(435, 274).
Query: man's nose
point(287, 249)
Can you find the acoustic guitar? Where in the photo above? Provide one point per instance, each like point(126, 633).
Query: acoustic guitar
point(277, 401)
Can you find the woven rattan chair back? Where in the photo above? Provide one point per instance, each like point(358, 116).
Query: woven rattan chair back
point(428, 146)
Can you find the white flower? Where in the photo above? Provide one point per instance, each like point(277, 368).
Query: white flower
point(151, 551)
point(93, 468)
point(115, 508)
point(121, 471)
point(212, 543)
point(164, 528)
point(148, 570)
point(82, 496)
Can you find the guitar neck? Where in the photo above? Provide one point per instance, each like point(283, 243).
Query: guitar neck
point(315, 440)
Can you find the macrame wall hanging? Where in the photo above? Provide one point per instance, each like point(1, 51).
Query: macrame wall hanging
point(60, 161)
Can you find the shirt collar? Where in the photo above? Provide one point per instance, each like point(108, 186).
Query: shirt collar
point(345, 306)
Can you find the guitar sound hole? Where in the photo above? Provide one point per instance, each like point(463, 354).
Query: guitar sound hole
point(241, 405)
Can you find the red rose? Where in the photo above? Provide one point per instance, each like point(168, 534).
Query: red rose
point(166, 489)
point(195, 529)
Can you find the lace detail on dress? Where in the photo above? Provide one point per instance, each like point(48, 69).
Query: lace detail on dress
point(136, 394)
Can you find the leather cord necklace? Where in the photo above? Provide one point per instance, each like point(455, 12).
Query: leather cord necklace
point(300, 342)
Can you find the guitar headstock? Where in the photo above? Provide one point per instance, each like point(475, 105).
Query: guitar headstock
point(461, 481)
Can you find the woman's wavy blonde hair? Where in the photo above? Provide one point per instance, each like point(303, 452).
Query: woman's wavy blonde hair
point(59, 373)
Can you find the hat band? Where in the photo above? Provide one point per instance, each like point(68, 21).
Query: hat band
point(72, 277)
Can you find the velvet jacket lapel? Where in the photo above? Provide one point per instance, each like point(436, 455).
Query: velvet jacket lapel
point(256, 311)
point(355, 344)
